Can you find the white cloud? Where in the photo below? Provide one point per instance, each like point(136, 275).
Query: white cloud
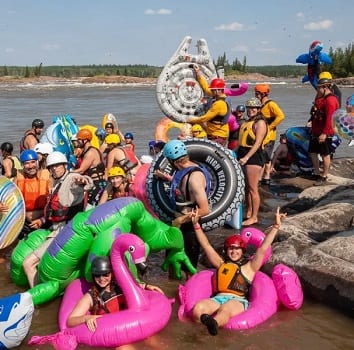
point(158, 12)
point(232, 27)
point(9, 50)
point(322, 25)
point(300, 16)
point(51, 47)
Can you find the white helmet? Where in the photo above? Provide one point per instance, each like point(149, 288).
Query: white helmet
point(56, 158)
point(43, 148)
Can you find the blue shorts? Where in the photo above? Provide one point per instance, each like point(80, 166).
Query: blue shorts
point(222, 299)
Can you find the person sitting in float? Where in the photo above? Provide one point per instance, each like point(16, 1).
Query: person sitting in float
point(65, 200)
point(198, 131)
point(233, 277)
point(105, 296)
point(117, 186)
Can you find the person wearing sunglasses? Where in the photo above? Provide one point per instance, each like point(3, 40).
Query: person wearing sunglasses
point(105, 296)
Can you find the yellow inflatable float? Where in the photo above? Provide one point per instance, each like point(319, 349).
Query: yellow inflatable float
point(166, 124)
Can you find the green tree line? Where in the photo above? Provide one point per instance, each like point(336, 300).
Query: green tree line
point(341, 67)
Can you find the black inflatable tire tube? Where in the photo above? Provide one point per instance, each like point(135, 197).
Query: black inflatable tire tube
point(227, 189)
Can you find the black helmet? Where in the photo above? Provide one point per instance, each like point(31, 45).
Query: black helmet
point(38, 123)
point(100, 266)
point(7, 147)
point(109, 125)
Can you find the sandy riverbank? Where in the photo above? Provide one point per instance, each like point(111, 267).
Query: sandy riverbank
point(118, 79)
point(121, 79)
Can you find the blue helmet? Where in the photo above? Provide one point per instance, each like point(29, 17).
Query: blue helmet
point(240, 108)
point(101, 133)
point(129, 135)
point(28, 154)
point(174, 149)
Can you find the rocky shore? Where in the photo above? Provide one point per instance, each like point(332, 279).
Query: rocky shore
point(317, 237)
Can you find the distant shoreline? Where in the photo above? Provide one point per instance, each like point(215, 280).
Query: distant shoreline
point(121, 79)
point(118, 79)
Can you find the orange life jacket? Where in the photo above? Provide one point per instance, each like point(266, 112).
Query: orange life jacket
point(228, 278)
point(34, 190)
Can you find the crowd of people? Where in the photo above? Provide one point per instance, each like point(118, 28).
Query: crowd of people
point(53, 193)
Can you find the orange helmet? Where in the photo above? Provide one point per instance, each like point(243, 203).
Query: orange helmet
point(262, 88)
point(216, 84)
point(84, 134)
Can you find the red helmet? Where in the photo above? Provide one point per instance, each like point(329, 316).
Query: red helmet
point(236, 241)
point(216, 84)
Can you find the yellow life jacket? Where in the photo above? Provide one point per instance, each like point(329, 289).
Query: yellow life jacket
point(247, 136)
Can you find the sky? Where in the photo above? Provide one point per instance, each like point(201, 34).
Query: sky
point(83, 32)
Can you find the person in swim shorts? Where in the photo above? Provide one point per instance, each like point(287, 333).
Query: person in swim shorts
point(233, 277)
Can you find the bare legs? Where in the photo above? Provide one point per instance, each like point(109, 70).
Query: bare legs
point(30, 267)
point(204, 309)
point(316, 164)
point(253, 173)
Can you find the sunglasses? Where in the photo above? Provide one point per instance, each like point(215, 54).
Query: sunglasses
point(102, 275)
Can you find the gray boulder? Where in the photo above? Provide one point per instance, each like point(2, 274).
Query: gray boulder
point(317, 237)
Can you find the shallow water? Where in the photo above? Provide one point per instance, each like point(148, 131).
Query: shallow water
point(314, 326)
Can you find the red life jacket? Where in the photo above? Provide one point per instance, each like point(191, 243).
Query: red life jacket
point(56, 212)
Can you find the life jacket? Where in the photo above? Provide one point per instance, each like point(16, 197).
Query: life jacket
point(317, 112)
point(130, 160)
point(117, 194)
point(22, 142)
point(220, 119)
point(34, 190)
point(16, 165)
point(247, 136)
point(228, 278)
point(109, 302)
point(97, 172)
point(55, 211)
point(176, 196)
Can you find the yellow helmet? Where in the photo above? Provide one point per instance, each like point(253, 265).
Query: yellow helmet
point(112, 139)
point(324, 78)
point(116, 171)
point(197, 127)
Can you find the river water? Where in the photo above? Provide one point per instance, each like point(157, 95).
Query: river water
point(314, 326)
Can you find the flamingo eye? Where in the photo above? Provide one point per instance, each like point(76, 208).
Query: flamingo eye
point(131, 249)
point(248, 234)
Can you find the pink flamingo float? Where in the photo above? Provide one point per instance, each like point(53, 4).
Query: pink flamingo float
point(146, 314)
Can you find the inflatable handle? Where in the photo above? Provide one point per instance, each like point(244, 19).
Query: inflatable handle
point(236, 89)
point(288, 286)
